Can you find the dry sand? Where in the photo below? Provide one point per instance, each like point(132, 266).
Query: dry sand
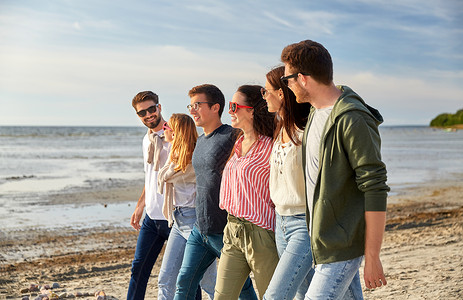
point(422, 252)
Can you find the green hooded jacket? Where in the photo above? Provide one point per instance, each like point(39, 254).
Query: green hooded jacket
point(351, 179)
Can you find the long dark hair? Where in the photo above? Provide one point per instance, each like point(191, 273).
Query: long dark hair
point(293, 114)
point(262, 119)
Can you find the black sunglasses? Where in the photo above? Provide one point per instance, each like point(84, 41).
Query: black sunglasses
point(150, 110)
point(284, 79)
point(264, 92)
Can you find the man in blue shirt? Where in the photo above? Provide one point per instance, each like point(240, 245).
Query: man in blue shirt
point(209, 158)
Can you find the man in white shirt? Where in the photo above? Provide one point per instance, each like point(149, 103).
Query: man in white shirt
point(154, 230)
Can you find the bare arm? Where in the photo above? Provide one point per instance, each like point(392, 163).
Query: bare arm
point(373, 272)
point(138, 213)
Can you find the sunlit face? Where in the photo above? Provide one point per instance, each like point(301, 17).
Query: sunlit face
point(301, 94)
point(242, 117)
point(273, 97)
point(151, 120)
point(203, 116)
point(169, 135)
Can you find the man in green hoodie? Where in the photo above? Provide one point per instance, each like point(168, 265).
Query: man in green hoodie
point(345, 178)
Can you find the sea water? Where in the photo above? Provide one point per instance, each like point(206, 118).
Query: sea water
point(418, 154)
point(37, 163)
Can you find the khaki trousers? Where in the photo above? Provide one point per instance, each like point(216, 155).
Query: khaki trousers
point(247, 247)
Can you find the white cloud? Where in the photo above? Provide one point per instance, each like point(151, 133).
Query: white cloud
point(93, 79)
point(278, 19)
point(444, 10)
point(216, 9)
point(407, 98)
point(66, 54)
point(318, 23)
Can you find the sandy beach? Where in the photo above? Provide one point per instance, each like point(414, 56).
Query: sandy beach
point(421, 252)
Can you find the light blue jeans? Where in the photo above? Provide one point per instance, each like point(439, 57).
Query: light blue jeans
point(294, 271)
point(184, 219)
point(338, 280)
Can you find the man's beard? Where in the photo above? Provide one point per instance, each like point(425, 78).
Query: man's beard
point(302, 96)
point(154, 123)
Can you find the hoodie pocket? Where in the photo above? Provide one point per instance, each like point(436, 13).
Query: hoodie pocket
point(328, 231)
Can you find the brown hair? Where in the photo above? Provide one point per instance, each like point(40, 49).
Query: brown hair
point(310, 58)
point(213, 94)
point(293, 114)
point(262, 119)
point(144, 96)
point(184, 142)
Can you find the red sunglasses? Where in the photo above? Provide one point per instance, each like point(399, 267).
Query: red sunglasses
point(165, 126)
point(234, 106)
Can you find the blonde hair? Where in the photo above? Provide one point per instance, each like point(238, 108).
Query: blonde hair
point(185, 136)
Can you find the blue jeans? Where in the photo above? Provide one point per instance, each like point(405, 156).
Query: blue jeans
point(151, 238)
point(200, 252)
point(184, 219)
point(294, 271)
point(338, 280)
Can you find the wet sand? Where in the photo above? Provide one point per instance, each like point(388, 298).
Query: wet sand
point(422, 251)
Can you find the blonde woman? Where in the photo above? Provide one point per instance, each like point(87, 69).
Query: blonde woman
point(176, 180)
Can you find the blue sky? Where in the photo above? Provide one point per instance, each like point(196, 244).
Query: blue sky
point(80, 62)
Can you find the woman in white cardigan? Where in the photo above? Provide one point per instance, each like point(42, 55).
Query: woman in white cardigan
point(176, 180)
point(293, 273)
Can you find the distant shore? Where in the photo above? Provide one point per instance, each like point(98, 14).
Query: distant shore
point(456, 127)
point(421, 252)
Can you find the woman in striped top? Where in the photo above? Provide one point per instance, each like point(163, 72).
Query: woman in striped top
point(249, 240)
point(294, 271)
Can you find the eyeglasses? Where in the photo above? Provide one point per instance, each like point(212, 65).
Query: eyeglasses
point(233, 106)
point(194, 105)
point(264, 91)
point(165, 126)
point(284, 79)
point(150, 110)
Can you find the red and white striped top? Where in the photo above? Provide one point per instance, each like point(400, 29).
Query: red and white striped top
point(244, 190)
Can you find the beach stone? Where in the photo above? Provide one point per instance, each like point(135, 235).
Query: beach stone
point(55, 285)
point(53, 296)
point(100, 295)
point(81, 270)
point(63, 295)
point(23, 291)
point(71, 295)
point(38, 298)
point(34, 288)
point(25, 298)
point(79, 294)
